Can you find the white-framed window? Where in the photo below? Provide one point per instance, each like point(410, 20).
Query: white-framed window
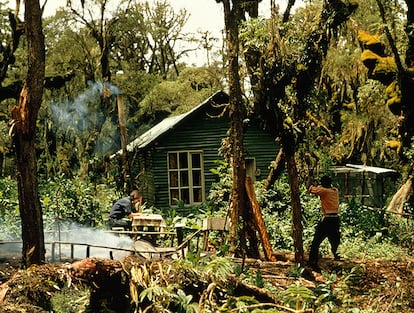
point(185, 177)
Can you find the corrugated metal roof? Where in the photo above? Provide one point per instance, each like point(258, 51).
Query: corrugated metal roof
point(362, 168)
point(164, 126)
point(154, 132)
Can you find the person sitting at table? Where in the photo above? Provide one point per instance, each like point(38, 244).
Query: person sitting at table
point(125, 207)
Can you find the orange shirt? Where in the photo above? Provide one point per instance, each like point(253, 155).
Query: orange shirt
point(329, 198)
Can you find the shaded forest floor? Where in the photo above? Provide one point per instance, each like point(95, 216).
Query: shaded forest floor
point(370, 286)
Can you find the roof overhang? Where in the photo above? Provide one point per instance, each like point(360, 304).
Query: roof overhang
point(170, 123)
point(362, 168)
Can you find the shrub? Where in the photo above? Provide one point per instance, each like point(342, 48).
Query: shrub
point(74, 201)
point(9, 210)
point(61, 199)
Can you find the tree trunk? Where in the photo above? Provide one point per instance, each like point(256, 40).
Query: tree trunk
point(24, 118)
point(232, 17)
point(1, 163)
point(122, 121)
point(409, 54)
point(295, 202)
point(278, 165)
point(403, 194)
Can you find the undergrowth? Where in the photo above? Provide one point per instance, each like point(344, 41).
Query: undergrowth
point(366, 234)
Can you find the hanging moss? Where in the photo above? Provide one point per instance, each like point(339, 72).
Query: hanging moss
point(350, 106)
point(380, 68)
point(372, 42)
point(394, 104)
point(369, 58)
point(394, 144)
point(393, 89)
point(410, 71)
point(386, 64)
point(367, 39)
point(385, 71)
point(394, 97)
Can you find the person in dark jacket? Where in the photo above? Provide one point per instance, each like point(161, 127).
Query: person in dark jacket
point(123, 208)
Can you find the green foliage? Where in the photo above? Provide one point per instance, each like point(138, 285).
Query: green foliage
point(363, 221)
point(375, 247)
point(72, 200)
point(277, 213)
point(296, 271)
point(239, 304)
point(204, 80)
point(172, 98)
point(154, 292)
point(62, 199)
point(9, 210)
point(298, 297)
point(193, 256)
point(70, 300)
point(365, 128)
point(164, 99)
point(258, 281)
point(275, 199)
point(184, 303)
point(218, 268)
point(220, 191)
point(409, 152)
point(325, 293)
point(158, 295)
point(400, 231)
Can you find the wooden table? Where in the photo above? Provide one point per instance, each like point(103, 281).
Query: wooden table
point(148, 220)
point(148, 227)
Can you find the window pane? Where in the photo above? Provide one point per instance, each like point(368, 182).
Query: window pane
point(197, 178)
point(183, 160)
point(174, 195)
point(174, 179)
point(185, 196)
point(184, 179)
point(172, 161)
point(196, 160)
point(197, 195)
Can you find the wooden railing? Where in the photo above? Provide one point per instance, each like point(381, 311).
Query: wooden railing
point(159, 252)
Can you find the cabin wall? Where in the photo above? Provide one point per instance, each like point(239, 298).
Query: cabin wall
point(204, 134)
point(260, 145)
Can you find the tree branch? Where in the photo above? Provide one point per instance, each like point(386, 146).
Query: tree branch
point(391, 40)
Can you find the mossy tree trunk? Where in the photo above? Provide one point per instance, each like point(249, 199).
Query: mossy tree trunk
point(233, 16)
point(271, 76)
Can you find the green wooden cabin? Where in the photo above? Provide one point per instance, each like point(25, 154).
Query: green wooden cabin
point(173, 160)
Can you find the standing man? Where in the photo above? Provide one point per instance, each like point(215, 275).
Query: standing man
point(328, 227)
point(125, 207)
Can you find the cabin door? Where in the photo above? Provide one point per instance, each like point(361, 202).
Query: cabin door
point(251, 168)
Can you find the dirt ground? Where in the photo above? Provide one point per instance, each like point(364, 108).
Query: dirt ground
point(387, 284)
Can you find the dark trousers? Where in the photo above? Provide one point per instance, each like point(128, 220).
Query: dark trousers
point(328, 227)
point(113, 222)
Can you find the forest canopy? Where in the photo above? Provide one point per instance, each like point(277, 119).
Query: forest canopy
point(140, 44)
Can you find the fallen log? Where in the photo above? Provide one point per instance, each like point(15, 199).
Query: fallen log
point(258, 220)
point(111, 282)
point(107, 276)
